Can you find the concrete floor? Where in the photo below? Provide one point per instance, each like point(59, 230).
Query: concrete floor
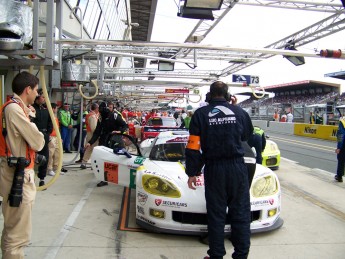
point(75, 219)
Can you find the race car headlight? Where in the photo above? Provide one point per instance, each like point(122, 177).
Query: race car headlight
point(161, 187)
point(273, 147)
point(264, 186)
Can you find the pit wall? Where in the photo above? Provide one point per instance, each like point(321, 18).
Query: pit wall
point(328, 132)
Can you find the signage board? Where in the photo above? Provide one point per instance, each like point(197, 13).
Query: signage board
point(177, 91)
point(248, 79)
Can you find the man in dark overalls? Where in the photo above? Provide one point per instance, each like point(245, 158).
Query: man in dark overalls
point(44, 125)
point(218, 130)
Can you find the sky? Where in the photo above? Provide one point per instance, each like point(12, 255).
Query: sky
point(256, 27)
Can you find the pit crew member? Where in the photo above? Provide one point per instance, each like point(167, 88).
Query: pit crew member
point(217, 130)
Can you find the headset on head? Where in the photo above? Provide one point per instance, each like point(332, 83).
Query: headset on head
point(225, 92)
point(227, 97)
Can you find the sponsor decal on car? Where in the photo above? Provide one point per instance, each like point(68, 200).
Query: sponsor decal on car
point(159, 175)
point(111, 172)
point(146, 220)
point(174, 204)
point(178, 140)
point(262, 202)
point(139, 160)
point(142, 198)
point(140, 210)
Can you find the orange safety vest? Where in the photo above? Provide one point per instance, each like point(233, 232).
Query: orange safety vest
point(88, 128)
point(4, 149)
point(53, 134)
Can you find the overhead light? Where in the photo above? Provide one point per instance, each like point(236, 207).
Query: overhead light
point(204, 4)
point(296, 60)
point(193, 13)
point(199, 9)
point(165, 66)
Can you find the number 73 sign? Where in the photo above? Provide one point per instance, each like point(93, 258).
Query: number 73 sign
point(248, 79)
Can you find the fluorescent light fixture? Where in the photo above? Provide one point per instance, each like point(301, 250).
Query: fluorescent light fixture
point(199, 9)
point(165, 66)
point(194, 13)
point(204, 4)
point(296, 60)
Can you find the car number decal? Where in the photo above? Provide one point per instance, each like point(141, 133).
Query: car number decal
point(111, 172)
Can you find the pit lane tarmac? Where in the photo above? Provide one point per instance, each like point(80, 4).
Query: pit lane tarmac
point(76, 219)
point(127, 214)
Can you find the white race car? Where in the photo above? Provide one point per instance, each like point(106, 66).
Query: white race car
point(164, 203)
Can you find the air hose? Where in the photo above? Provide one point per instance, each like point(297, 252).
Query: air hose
point(56, 128)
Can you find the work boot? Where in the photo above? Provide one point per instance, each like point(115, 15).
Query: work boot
point(41, 184)
point(338, 178)
point(102, 183)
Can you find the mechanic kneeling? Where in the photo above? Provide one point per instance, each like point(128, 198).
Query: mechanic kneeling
point(218, 129)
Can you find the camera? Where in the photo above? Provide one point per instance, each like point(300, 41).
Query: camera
point(16, 194)
point(40, 159)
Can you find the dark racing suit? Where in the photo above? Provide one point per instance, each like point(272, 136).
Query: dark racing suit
point(219, 128)
point(341, 146)
point(44, 125)
point(111, 121)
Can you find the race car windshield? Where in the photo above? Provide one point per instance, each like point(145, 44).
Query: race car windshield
point(165, 122)
point(172, 152)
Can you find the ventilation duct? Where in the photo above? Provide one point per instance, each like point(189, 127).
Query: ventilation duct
point(16, 21)
point(72, 72)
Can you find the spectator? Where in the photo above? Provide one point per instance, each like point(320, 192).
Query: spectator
point(66, 126)
point(44, 125)
point(91, 122)
point(283, 117)
point(312, 118)
point(276, 116)
point(80, 119)
point(225, 173)
point(53, 146)
point(289, 117)
point(318, 118)
point(188, 119)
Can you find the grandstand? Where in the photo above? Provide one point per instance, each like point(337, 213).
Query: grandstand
point(301, 98)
